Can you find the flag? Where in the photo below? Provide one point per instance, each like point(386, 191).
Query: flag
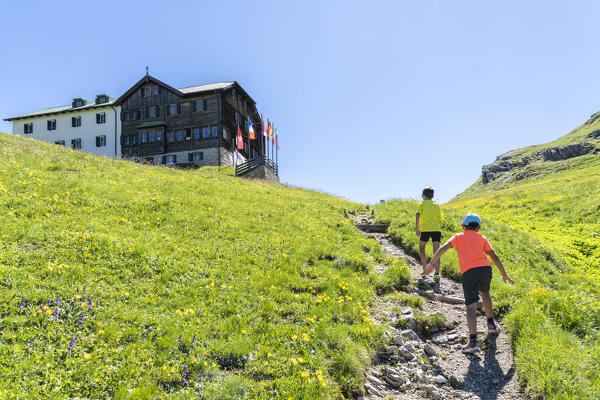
point(277, 138)
point(251, 130)
point(273, 135)
point(264, 127)
point(270, 129)
point(240, 140)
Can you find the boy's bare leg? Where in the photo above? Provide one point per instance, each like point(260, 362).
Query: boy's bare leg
point(487, 304)
point(422, 245)
point(436, 246)
point(472, 318)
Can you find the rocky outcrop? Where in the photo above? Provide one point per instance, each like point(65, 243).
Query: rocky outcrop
point(565, 152)
point(495, 170)
point(594, 134)
point(505, 165)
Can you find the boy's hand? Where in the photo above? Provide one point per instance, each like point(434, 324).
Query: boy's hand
point(418, 232)
point(507, 279)
point(427, 270)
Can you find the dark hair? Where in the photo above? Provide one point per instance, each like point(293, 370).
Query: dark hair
point(428, 192)
point(472, 226)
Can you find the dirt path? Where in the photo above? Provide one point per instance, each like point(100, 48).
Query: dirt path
point(434, 367)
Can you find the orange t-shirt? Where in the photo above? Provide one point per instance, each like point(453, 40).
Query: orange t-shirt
point(472, 250)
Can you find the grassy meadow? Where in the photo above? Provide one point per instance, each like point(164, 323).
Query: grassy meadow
point(125, 281)
point(546, 230)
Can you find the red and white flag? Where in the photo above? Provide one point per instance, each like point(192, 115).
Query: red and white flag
point(240, 140)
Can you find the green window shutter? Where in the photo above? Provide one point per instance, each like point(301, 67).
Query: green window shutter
point(190, 157)
point(73, 122)
point(147, 112)
point(142, 92)
point(168, 109)
point(97, 141)
point(160, 90)
point(178, 108)
point(157, 111)
point(97, 118)
point(193, 106)
point(204, 105)
point(122, 115)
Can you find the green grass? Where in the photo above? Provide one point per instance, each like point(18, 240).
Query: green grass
point(546, 230)
point(125, 281)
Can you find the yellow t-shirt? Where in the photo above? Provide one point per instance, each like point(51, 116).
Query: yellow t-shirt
point(431, 216)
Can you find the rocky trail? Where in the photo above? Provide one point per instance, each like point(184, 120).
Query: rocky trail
point(432, 366)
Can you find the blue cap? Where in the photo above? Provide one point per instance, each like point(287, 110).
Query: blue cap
point(470, 217)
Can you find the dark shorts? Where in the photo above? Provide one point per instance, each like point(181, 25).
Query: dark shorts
point(435, 236)
point(474, 281)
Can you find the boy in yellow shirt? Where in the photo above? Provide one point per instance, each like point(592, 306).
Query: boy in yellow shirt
point(428, 226)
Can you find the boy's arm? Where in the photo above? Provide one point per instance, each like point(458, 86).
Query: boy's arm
point(500, 267)
point(436, 257)
point(417, 230)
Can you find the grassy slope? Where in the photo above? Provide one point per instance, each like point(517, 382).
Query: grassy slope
point(546, 229)
point(125, 281)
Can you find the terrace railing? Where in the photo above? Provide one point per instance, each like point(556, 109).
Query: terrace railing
point(254, 163)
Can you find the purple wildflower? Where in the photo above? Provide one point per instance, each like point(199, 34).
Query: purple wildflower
point(180, 339)
point(55, 313)
point(57, 301)
point(193, 345)
point(148, 331)
point(23, 303)
point(81, 318)
point(185, 374)
point(90, 302)
point(73, 344)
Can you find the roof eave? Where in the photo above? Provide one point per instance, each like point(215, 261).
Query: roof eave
point(145, 79)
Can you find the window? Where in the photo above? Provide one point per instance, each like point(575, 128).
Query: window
point(237, 117)
point(51, 124)
point(78, 103)
point(205, 132)
point(153, 112)
point(60, 142)
point(159, 135)
point(196, 158)
point(101, 99)
point(225, 134)
point(174, 109)
point(147, 91)
point(28, 128)
point(169, 160)
point(180, 135)
point(171, 136)
point(196, 133)
point(101, 141)
point(214, 131)
point(127, 116)
point(143, 137)
point(151, 137)
point(76, 121)
point(101, 118)
point(135, 115)
point(155, 91)
point(76, 144)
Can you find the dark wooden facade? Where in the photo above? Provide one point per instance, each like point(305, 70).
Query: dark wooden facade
point(158, 120)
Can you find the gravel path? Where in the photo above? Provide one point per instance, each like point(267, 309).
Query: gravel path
point(434, 367)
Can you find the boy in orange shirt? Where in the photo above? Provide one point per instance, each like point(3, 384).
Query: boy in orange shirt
point(476, 272)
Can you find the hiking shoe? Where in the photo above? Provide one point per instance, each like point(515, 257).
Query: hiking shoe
point(436, 286)
point(493, 328)
point(471, 347)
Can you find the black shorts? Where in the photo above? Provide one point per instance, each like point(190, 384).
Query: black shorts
point(435, 236)
point(476, 280)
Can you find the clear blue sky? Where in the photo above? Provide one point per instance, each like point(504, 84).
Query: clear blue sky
point(373, 99)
